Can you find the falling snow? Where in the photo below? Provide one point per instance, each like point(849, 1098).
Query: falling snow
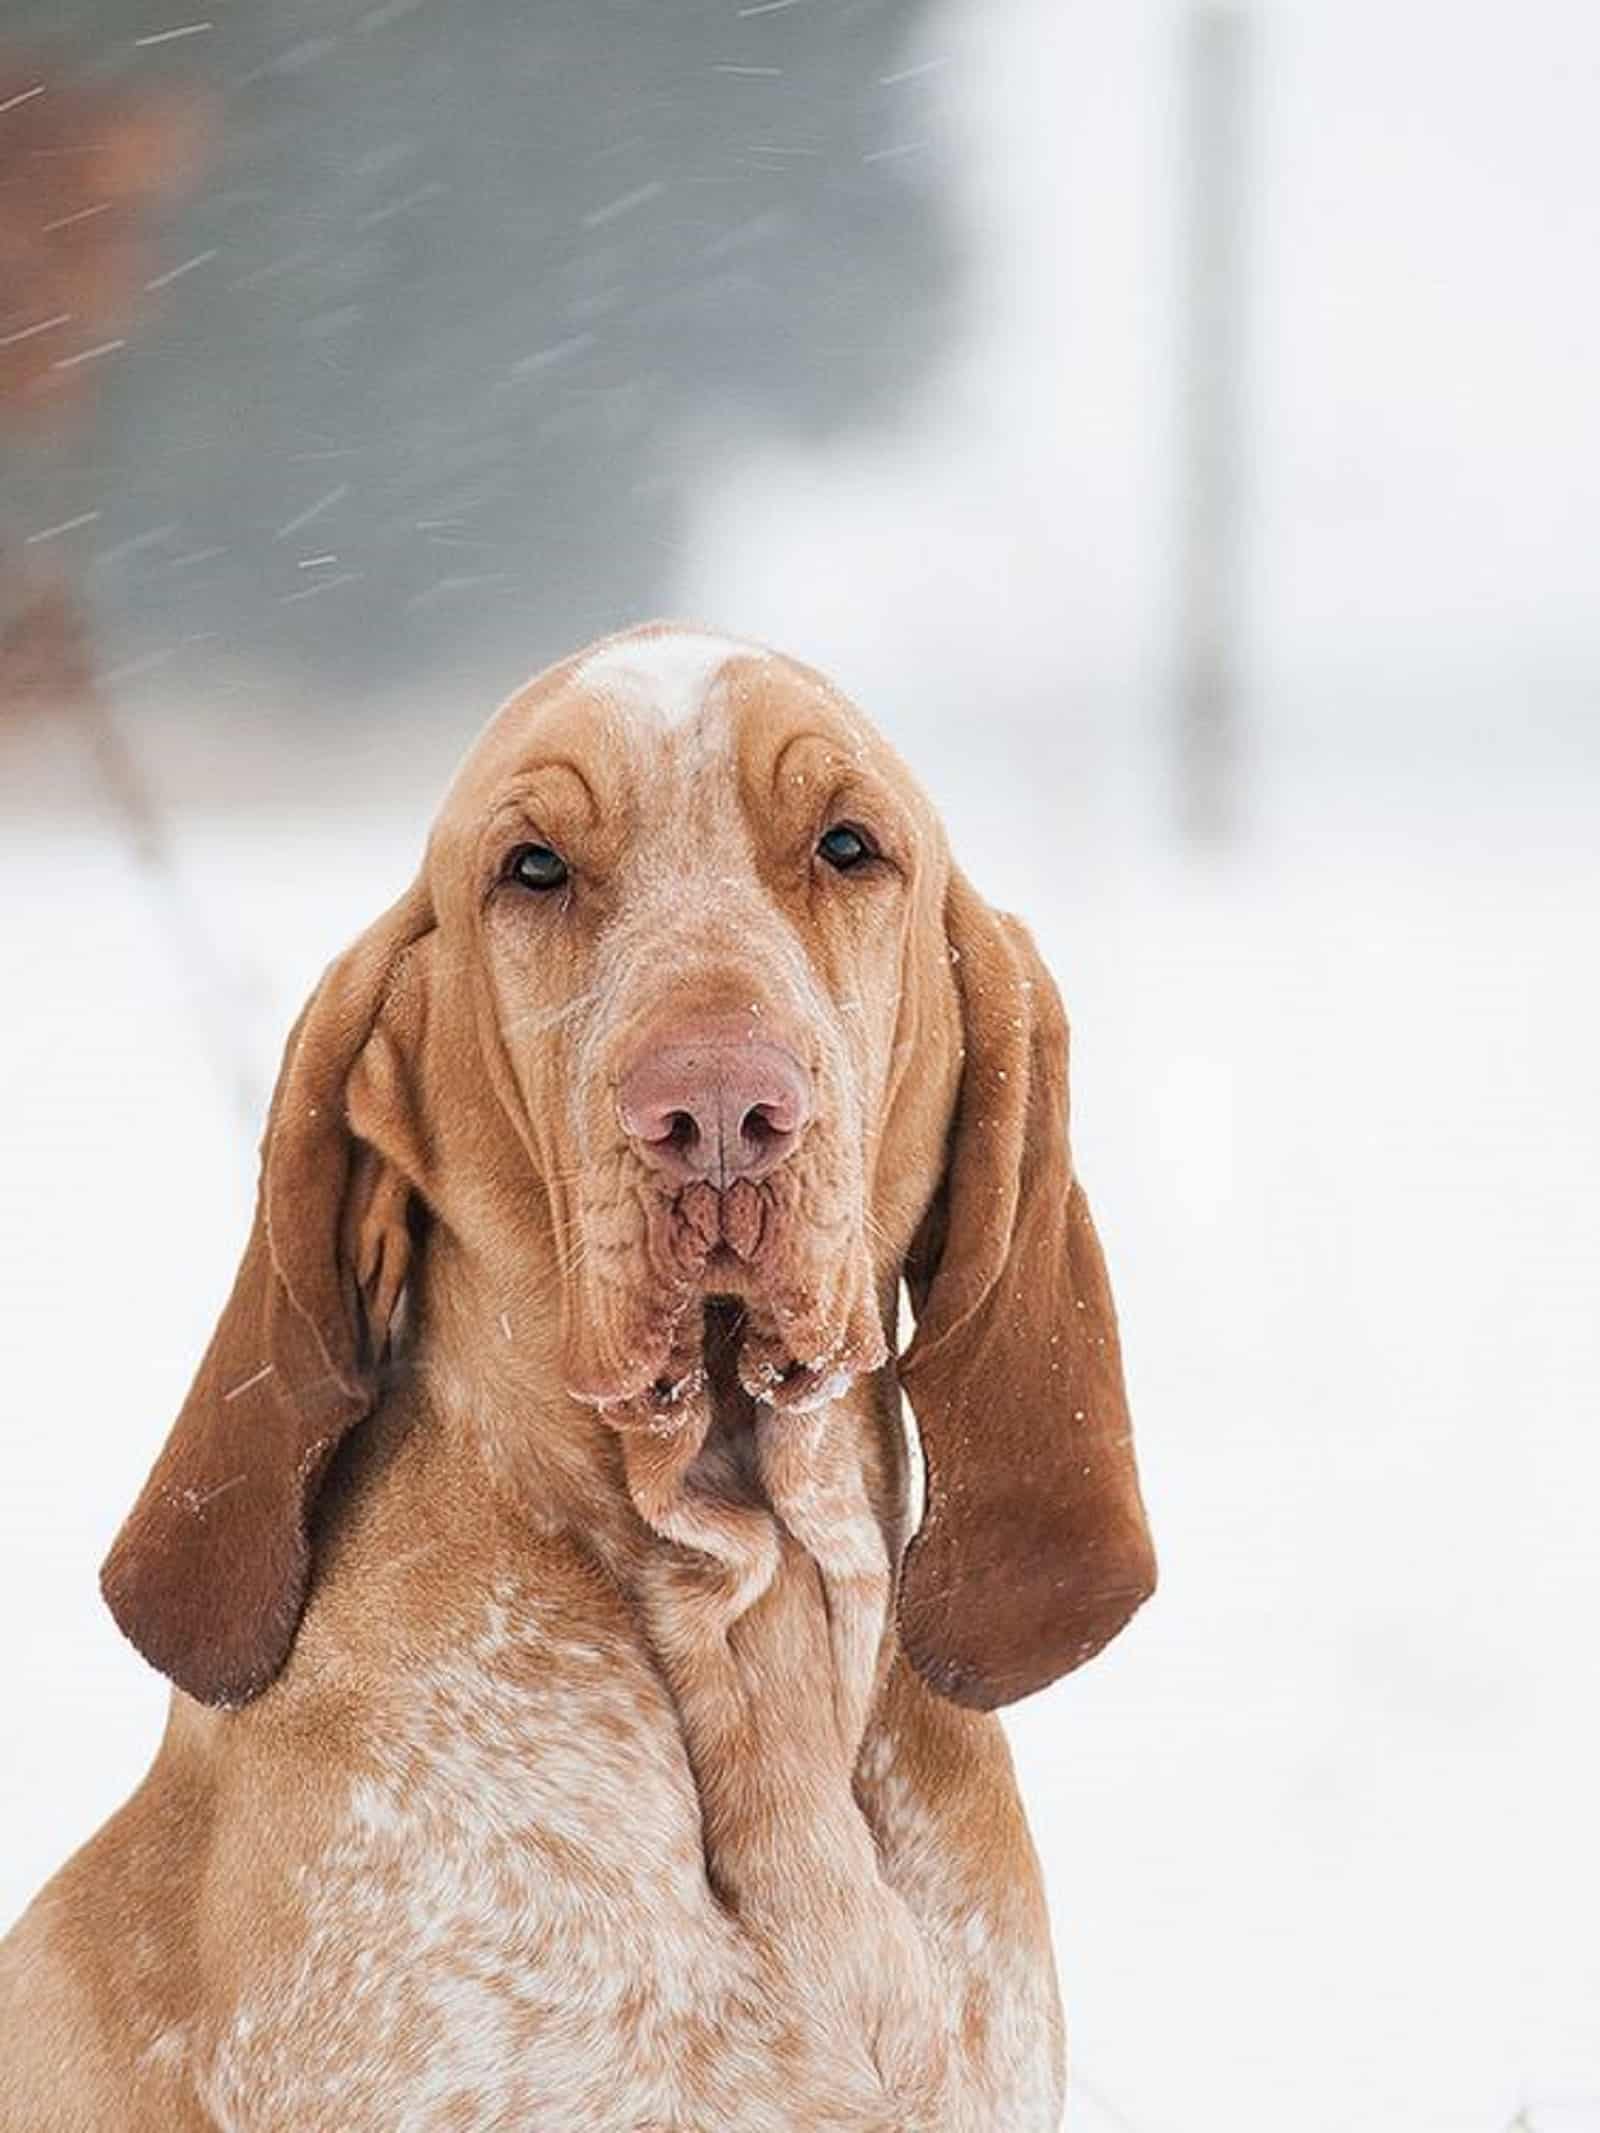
point(1319, 1830)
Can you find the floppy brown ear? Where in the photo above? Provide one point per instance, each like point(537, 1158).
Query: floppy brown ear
point(208, 1576)
point(1033, 1550)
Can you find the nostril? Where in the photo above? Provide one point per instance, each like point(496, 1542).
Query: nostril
point(760, 1131)
point(682, 1131)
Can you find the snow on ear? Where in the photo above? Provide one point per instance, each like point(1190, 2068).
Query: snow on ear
point(1033, 1550)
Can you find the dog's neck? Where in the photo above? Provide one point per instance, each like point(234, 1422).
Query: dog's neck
point(717, 1490)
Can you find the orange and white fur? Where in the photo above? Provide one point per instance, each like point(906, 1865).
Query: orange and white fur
point(574, 1729)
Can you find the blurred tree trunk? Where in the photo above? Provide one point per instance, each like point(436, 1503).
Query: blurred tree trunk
point(81, 172)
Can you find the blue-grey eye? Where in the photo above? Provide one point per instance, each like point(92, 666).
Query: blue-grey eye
point(844, 847)
point(536, 866)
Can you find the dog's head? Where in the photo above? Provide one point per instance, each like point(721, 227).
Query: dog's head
point(695, 874)
point(688, 1005)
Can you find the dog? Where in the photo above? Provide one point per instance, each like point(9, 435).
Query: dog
point(575, 1726)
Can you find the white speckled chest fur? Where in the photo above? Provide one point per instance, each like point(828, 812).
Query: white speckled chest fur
point(500, 1933)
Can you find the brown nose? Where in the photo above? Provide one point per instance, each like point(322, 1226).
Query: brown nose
point(719, 1110)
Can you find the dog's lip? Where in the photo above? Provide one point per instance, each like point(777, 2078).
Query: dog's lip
point(722, 1228)
point(721, 1358)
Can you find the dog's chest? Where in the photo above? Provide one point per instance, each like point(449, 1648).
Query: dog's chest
point(503, 1920)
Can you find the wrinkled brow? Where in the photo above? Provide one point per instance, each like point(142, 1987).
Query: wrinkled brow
point(552, 800)
point(816, 774)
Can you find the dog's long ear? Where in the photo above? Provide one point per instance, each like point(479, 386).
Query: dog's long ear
point(1033, 1550)
point(208, 1576)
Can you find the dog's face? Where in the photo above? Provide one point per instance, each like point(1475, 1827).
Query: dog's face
point(701, 880)
point(687, 1007)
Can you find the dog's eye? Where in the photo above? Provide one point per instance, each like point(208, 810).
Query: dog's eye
point(536, 866)
point(844, 847)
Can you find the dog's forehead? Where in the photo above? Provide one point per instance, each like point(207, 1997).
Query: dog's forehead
point(667, 680)
point(664, 702)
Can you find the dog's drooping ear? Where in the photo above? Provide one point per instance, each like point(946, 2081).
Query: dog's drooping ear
point(208, 1576)
point(1033, 1550)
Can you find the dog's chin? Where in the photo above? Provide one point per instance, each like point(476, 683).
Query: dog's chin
point(733, 1278)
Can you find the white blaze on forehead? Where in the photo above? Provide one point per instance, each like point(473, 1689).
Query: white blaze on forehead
point(670, 675)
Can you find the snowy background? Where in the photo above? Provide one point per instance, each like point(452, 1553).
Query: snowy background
point(1320, 1830)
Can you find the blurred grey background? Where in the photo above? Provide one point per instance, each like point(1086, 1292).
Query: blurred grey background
point(1175, 425)
point(474, 288)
